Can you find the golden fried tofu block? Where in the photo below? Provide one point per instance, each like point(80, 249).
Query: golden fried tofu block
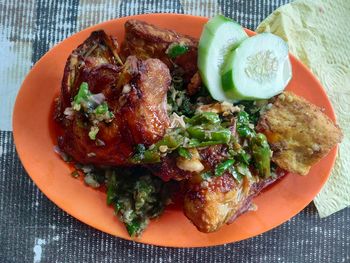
point(299, 133)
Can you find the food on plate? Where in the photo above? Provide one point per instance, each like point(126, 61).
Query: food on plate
point(98, 50)
point(136, 199)
point(299, 133)
point(220, 36)
point(258, 69)
point(155, 125)
point(210, 201)
point(177, 51)
point(107, 109)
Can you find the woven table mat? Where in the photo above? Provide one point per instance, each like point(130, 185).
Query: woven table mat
point(33, 229)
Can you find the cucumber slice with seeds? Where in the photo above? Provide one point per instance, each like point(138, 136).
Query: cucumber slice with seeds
point(220, 36)
point(258, 69)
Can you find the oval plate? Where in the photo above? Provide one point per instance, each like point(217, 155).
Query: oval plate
point(31, 127)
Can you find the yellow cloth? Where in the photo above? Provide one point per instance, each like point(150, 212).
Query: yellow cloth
point(318, 34)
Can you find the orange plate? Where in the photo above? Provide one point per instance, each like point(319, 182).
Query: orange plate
point(31, 123)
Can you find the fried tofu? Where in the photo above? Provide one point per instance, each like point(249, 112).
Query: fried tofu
point(299, 133)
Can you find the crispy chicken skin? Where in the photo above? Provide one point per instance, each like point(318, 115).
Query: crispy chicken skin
point(148, 41)
point(168, 170)
point(144, 109)
point(98, 49)
point(135, 93)
point(299, 133)
point(210, 204)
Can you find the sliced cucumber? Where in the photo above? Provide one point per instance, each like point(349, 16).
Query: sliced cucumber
point(220, 36)
point(258, 69)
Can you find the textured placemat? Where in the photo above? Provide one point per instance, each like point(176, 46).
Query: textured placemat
point(33, 229)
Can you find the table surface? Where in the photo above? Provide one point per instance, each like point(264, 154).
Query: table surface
point(33, 229)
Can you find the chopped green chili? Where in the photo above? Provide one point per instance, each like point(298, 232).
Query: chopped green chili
point(93, 132)
point(243, 128)
point(184, 153)
point(261, 154)
point(223, 166)
point(221, 135)
point(136, 199)
point(102, 108)
point(176, 49)
point(205, 117)
point(83, 94)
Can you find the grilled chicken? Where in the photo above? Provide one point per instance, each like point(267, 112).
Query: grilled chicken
point(135, 93)
point(148, 41)
point(299, 133)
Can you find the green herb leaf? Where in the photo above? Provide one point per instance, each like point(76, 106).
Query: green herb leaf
point(136, 199)
point(133, 228)
point(223, 166)
point(194, 143)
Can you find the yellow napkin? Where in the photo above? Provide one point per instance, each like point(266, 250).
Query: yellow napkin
point(318, 34)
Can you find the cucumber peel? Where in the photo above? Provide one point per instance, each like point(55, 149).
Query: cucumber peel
point(220, 36)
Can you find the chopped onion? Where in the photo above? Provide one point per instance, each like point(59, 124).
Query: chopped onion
point(99, 142)
point(87, 168)
point(177, 121)
point(69, 113)
point(89, 180)
point(97, 98)
point(63, 155)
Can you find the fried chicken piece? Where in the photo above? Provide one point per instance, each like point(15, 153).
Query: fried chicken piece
point(135, 93)
point(299, 133)
point(144, 107)
point(98, 49)
point(148, 41)
point(211, 203)
point(168, 170)
point(195, 84)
